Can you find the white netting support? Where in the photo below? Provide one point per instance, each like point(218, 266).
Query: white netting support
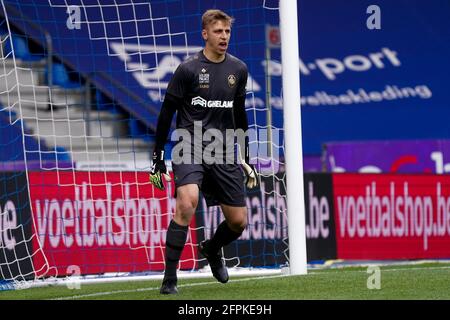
point(129, 212)
point(144, 42)
point(17, 252)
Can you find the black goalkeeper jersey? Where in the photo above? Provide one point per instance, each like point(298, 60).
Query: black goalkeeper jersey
point(208, 90)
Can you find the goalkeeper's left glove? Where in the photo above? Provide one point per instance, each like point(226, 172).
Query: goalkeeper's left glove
point(158, 170)
point(251, 175)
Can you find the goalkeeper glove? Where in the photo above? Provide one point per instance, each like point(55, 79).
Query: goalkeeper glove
point(251, 175)
point(158, 170)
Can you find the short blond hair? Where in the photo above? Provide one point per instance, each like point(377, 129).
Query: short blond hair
point(213, 15)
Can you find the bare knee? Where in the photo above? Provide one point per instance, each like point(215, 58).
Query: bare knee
point(238, 222)
point(238, 226)
point(185, 208)
point(185, 211)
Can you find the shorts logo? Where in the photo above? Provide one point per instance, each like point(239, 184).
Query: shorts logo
point(231, 80)
point(199, 101)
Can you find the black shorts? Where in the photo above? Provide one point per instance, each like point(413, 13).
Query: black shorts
point(219, 183)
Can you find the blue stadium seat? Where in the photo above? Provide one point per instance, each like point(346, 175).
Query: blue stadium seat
point(61, 77)
point(3, 28)
point(138, 130)
point(21, 50)
point(135, 129)
point(62, 154)
point(12, 143)
point(104, 103)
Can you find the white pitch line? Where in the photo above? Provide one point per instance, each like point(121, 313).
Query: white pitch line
point(315, 273)
point(339, 270)
point(107, 293)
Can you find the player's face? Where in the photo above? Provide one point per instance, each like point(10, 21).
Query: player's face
point(217, 36)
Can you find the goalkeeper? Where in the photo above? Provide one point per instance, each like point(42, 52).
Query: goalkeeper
point(206, 89)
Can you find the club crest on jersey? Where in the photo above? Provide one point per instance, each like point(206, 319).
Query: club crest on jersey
point(203, 79)
point(231, 80)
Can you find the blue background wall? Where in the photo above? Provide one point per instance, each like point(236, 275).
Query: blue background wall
point(416, 30)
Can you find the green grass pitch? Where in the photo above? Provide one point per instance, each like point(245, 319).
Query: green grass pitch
point(418, 281)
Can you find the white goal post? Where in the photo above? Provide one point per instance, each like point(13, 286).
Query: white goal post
point(293, 137)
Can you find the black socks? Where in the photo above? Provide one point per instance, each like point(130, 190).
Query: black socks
point(175, 241)
point(223, 236)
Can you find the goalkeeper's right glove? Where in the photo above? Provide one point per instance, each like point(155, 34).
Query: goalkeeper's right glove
point(158, 170)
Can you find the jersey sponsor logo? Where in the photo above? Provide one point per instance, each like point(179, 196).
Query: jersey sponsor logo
point(199, 101)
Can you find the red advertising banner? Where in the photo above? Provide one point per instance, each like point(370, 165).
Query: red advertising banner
point(98, 222)
point(389, 216)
